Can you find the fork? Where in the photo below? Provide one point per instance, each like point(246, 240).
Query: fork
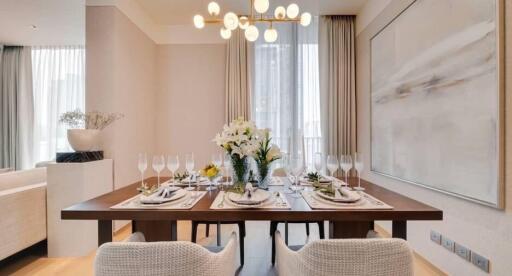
point(221, 204)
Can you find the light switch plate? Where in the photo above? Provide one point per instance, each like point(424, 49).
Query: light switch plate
point(435, 237)
point(480, 261)
point(447, 243)
point(463, 252)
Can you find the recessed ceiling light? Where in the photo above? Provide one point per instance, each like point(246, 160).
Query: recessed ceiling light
point(33, 27)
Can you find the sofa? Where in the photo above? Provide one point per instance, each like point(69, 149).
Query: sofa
point(22, 210)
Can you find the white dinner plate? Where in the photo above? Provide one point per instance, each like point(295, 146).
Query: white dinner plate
point(257, 197)
point(347, 197)
point(156, 198)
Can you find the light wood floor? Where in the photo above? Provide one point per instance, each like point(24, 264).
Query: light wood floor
point(257, 252)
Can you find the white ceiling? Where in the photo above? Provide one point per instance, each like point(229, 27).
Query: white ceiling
point(58, 22)
point(177, 12)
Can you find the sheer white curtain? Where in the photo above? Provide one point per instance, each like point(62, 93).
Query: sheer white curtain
point(59, 86)
point(286, 93)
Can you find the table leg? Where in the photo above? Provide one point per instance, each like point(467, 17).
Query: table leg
point(399, 228)
point(104, 231)
point(156, 230)
point(349, 229)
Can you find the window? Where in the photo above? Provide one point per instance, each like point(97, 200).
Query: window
point(59, 86)
point(286, 92)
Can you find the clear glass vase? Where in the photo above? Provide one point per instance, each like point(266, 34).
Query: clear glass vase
point(240, 169)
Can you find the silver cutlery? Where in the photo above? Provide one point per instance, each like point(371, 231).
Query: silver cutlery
point(221, 204)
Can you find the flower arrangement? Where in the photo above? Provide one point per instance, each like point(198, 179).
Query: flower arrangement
point(240, 140)
point(265, 155)
point(88, 120)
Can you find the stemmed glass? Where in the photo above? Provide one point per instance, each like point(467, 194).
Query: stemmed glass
point(173, 164)
point(332, 164)
point(296, 168)
point(143, 165)
point(158, 166)
point(227, 169)
point(358, 165)
point(189, 166)
point(319, 162)
point(346, 165)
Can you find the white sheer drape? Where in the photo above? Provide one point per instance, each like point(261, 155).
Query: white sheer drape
point(286, 93)
point(59, 86)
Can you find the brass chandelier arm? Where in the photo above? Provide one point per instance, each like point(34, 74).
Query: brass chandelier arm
point(252, 20)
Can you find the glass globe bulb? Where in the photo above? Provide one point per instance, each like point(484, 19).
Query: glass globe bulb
point(280, 12)
point(213, 8)
point(251, 33)
point(230, 21)
point(225, 33)
point(305, 19)
point(198, 21)
point(243, 22)
point(270, 35)
point(292, 11)
point(261, 6)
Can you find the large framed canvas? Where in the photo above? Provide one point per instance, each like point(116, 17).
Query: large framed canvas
point(437, 102)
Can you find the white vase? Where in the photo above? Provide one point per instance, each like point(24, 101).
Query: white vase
point(84, 139)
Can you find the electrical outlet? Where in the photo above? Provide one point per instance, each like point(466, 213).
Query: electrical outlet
point(447, 243)
point(463, 252)
point(480, 261)
point(435, 237)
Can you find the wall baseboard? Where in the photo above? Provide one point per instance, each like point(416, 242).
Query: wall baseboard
point(418, 258)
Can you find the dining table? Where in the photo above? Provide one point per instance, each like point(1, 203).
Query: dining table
point(161, 224)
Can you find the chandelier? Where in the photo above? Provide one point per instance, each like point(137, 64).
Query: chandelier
point(247, 22)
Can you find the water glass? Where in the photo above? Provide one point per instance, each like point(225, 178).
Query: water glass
point(319, 162)
point(296, 165)
point(358, 165)
point(142, 165)
point(173, 164)
point(332, 164)
point(189, 166)
point(158, 166)
point(346, 166)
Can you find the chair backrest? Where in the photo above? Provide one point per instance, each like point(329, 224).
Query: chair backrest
point(17, 179)
point(350, 257)
point(164, 258)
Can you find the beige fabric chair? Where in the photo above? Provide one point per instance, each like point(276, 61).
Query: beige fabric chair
point(22, 210)
point(347, 257)
point(181, 258)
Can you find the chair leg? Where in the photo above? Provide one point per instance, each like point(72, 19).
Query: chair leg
point(241, 230)
point(194, 232)
point(207, 230)
point(218, 233)
point(307, 229)
point(273, 249)
point(321, 230)
point(286, 232)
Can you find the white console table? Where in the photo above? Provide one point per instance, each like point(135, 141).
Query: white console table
point(68, 184)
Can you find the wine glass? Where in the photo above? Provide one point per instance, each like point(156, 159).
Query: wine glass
point(358, 165)
point(173, 164)
point(143, 165)
point(189, 166)
point(296, 165)
point(332, 164)
point(319, 162)
point(217, 160)
point(346, 166)
point(227, 170)
point(158, 165)
point(285, 165)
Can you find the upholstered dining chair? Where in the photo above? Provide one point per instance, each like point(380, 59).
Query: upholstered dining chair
point(348, 257)
point(134, 257)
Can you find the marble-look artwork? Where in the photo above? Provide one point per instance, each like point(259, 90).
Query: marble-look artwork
point(434, 98)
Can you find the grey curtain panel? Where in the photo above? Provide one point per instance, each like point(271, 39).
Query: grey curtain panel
point(338, 83)
point(16, 108)
point(238, 100)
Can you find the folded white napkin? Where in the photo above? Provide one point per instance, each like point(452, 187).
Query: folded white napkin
point(162, 195)
point(345, 195)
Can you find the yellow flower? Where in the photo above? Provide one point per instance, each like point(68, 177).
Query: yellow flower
point(210, 171)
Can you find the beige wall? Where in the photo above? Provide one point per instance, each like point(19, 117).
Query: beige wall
point(190, 99)
point(121, 77)
point(486, 230)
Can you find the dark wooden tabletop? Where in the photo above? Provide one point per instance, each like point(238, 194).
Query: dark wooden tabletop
point(404, 209)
